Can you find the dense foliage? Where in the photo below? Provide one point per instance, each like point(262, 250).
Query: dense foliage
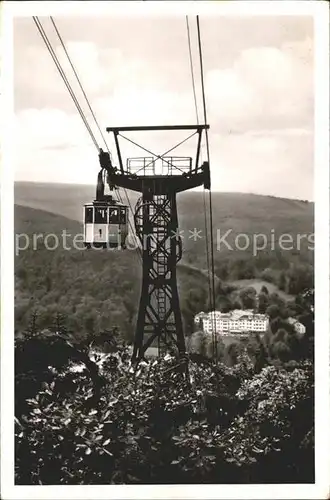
point(156, 426)
point(85, 417)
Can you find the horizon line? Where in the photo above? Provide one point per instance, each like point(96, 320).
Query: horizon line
point(192, 191)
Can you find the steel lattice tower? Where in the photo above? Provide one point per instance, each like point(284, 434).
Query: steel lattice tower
point(156, 223)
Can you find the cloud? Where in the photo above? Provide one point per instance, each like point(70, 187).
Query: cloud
point(279, 164)
point(259, 98)
point(48, 129)
point(265, 88)
point(100, 71)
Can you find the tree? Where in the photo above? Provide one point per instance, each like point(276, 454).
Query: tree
point(257, 352)
point(273, 311)
point(90, 323)
point(274, 298)
point(248, 298)
point(220, 348)
point(268, 275)
point(236, 304)
point(305, 306)
point(59, 323)
point(279, 323)
point(300, 279)
point(232, 353)
point(193, 303)
point(281, 350)
point(223, 303)
point(199, 342)
point(222, 271)
point(263, 302)
point(282, 281)
point(33, 324)
point(285, 345)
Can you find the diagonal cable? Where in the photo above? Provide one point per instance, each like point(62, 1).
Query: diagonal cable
point(192, 68)
point(150, 152)
point(67, 84)
point(79, 82)
point(208, 158)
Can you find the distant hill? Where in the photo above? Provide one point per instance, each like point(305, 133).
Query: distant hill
point(33, 220)
point(62, 199)
point(68, 200)
point(234, 212)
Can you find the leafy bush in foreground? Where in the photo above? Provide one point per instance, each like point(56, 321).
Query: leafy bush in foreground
point(157, 425)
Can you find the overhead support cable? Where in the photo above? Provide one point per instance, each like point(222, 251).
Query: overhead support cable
point(207, 247)
point(209, 271)
point(192, 68)
point(210, 192)
point(66, 82)
point(79, 82)
point(204, 194)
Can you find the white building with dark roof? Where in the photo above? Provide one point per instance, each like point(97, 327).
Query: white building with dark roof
point(233, 322)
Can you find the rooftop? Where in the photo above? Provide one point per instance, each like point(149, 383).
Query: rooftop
point(236, 314)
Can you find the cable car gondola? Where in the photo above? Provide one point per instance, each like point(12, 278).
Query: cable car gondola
point(105, 220)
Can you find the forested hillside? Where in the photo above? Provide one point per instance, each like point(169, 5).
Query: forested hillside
point(96, 289)
point(92, 289)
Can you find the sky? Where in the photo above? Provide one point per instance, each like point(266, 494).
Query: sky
point(259, 92)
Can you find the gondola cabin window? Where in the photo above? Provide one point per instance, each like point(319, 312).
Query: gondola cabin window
point(101, 216)
point(114, 215)
point(123, 218)
point(89, 215)
point(105, 225)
